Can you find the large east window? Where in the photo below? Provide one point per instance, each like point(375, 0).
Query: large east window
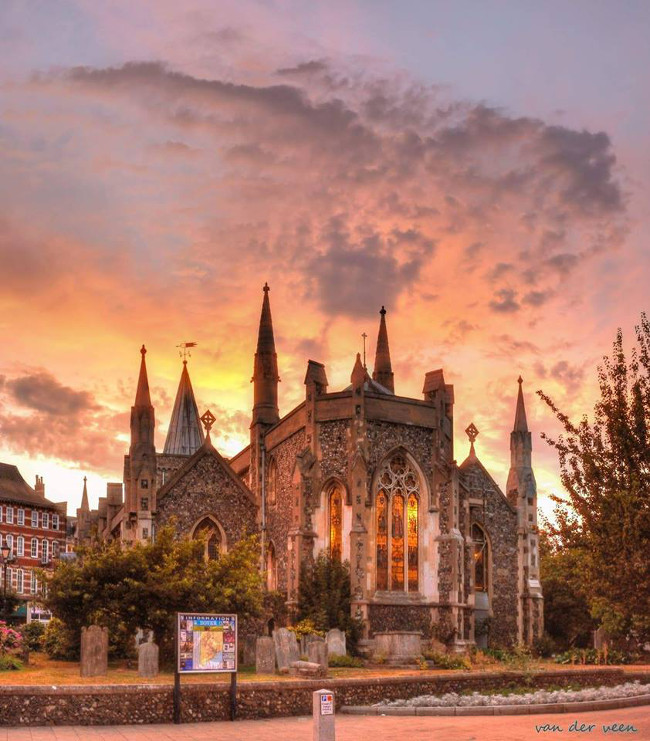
point(480, 559)
point(396, 508)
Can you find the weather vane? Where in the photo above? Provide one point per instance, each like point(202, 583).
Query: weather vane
point(184, 350)
point(364, 335)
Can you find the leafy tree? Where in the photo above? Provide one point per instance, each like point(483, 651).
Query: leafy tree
point(567, 619)
point(143, 586)
point(605, 469)
point(325, 595)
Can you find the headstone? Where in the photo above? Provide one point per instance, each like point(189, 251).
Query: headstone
point(317, 652)
point(148, 658)
point(286, 649)
point(307, 669)
point(248, 650)
point(94, 651)
point(336, 642)
point(601, 639)
point(264, 655)
point(323, 709)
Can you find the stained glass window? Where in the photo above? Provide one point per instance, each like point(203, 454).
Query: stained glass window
point(382, 542)
point(397, 525)
point(336, 523)
point(480, 559)
point(412, 543)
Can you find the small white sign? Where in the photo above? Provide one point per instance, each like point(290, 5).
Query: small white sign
point(327, 704)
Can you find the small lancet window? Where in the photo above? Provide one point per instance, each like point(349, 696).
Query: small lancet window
point(336, 523)
point(272, 483)
point(480, 559)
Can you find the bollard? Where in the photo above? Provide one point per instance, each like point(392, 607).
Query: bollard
point(323, 710)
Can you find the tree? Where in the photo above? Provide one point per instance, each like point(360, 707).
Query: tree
point(143, 586)
point(324, 597)
point(567, 619)
point(605, 468)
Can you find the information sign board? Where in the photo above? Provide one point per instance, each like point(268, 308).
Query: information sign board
point(206, 643)
point(327, 704)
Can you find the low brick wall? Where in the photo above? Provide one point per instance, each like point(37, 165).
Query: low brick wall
point(120, 704)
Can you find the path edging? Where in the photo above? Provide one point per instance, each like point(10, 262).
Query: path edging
point(541, 708)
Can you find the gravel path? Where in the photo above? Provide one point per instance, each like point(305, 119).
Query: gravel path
point(452, 699)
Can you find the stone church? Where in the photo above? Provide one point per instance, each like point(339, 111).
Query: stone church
point(363, 473)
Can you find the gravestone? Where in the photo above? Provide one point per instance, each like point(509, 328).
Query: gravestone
point(307, 669)
point(248, 650)
point(317, 652)
point(94, 651)
point(264, 655)
point(601, 639)
point(286, 649)
point(148, 658)
point(336, 642)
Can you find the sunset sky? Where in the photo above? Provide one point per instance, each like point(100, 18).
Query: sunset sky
point(480, 168)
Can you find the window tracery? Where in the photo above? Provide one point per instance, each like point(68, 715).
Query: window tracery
point(397, 536)
point(336, 522)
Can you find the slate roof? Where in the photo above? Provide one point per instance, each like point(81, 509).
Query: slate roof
point(14, 488)
point(185, 435)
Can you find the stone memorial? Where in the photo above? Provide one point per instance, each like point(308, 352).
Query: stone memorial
point(317, 652)
point(264, 655)
point(286, 649)
point(94, 651)
point(148, 658)
point(307, 669)
point(398, 646)
point(336, 642)
point(249, 645)
point(601, 639)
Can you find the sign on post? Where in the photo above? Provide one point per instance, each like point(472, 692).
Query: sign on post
point(323, 715)
point(205, 643)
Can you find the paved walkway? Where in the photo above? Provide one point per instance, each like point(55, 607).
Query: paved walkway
point(351, 728)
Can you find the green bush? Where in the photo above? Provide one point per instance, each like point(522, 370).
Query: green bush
point(591, 656)
point(59, 642)
point(448, 661)
point(8, 662)
point(304, 628)
point(33, 635)
point(345, 661)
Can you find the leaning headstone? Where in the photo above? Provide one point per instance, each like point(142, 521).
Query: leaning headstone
point(248, 650)
point(264, 655)
point(336, 642)
point(94, 651)
point(317, 652)
point(148, 658)
point(307, 669)
point(286, 649)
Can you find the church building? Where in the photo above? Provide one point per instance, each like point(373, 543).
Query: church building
point(362, 473)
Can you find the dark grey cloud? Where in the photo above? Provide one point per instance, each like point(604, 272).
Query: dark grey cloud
point(504, 301)
point(42, 392)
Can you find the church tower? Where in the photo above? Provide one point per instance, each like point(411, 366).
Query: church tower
point(140, 464)
point(383, 371)
point(185, 435)
point(522, 494)
point(265, 394)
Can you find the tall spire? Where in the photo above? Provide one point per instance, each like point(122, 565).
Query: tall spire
point(265, 373)
point(85, 507)
point(142, 397)
point(521, 424)
point(383, 371)
point(185, 435)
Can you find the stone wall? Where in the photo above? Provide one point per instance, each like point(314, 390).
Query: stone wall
point(122, 704)
point(500, 522)
point(396, 617)
point(208, 489)
point(279, 516)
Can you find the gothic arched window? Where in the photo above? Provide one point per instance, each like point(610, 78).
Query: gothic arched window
point(208, 530)
point(336, 522)
point(272, 483)
point(397, 505)
point(271, 568)
point(480, 559)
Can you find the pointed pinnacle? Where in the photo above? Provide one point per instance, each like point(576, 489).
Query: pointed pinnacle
point(521, 424)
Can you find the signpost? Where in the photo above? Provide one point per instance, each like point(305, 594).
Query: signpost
point(205, 643)
point(323, 716)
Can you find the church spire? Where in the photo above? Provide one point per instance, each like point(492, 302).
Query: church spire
point(185, 435)
point(521, 425)
point(142, 397)
point(383, 371)
point(85, 507)
point(265, 373)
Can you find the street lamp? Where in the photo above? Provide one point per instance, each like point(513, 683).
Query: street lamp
point(6, 560)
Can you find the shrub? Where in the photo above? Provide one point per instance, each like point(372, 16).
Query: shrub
point(545, 646)
point(304, 628)
point(8, 663)
point(591, 656)
point(345, 661)
point(11, 647)
point(59, 642)
point(448, 661)
point(33, 635)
